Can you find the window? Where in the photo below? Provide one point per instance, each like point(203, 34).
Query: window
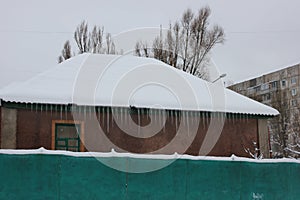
point(293, 80)
point(266, 97)
point(257, 88)
point(265, 86)
point(283, 83)
point(67, 135)
point(294, 102)
point(294, 92)
point(252, 82)
point(274, 84)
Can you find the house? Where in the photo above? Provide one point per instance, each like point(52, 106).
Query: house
point(101, 102)
point(279, 89)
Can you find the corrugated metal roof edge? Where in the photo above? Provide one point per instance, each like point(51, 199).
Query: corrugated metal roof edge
point(3, 104)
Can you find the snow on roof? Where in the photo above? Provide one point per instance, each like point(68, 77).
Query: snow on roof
point(143, 156)
point(123, 81)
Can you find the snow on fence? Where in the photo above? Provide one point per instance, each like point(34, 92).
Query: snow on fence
point(43, 174)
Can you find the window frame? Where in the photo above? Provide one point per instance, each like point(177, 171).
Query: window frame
point(283, 83)
point(294, 94)
point(294, 102)
point(68, 122)
point(293, 80)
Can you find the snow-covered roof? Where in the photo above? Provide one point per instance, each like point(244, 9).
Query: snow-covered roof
point(123, 81)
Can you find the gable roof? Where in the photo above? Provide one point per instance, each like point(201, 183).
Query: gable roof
point(114, 80)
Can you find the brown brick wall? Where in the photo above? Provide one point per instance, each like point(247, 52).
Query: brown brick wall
point(0, 123)
point(34, 131)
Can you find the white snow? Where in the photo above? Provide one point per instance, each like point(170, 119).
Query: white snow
point(94, 79)
point(143, 156)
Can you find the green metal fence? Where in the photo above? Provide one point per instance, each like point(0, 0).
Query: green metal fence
point(40, 176)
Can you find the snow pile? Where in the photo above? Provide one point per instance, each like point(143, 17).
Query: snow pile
point(143, 156)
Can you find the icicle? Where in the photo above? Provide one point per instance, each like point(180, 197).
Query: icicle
point(92, 111)
point(183, 118)
point(66, 112)
point(187, 116)
point(102, 113)
point(46, 109)
point(201, 118)
point(139, 120)
point(87, 108)
point(194, 117)
point(159, 118)
point(188, 122)
point(150, 115)
point(97, 114)
point(51, 109)
point(207, 118)
point(77, 109)
point(56, 109)
point(119, 115)
point(61, 108)
point(175, 120)
point(125, 116)
point(84, 112)
point(107, 120)
point(165, 117)
point(112, 116)
point(172, 114)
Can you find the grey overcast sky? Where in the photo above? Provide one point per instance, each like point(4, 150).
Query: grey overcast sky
point(261, 35)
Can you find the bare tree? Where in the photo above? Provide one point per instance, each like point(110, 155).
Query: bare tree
point(110, 45)
point(187, 44)
point(285, 128)
point(186, 21)
point(81, 37)
point(141, 49)
point(96, 40)
point(66, 53)
point(92, 42)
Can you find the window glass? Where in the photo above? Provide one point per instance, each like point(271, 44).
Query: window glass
point(283, 83)
point(67, 137)
point(294, 92)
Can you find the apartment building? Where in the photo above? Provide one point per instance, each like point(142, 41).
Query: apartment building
point(281, 90)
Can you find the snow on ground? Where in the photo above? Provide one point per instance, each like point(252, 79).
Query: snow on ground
point(113, 153)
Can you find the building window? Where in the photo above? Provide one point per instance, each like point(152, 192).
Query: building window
point(274, 84)
point(283, 83)
point(294, 92)
point(266, 97)
point(257, 88)
point(67, 135)
point(265, 86)
point(293, 80)
point(294, 102)
point(252, 82)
